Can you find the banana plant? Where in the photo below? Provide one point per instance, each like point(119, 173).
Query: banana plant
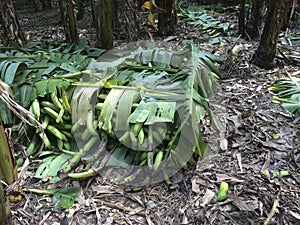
point(7, 166)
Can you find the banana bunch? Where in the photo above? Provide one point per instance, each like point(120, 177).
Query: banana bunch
point(54, 113)
point(149, 142)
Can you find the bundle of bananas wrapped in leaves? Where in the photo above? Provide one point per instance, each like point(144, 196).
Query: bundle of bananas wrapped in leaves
point(137, 112)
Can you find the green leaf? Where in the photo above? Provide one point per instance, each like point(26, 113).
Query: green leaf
point(25, 94)
point(12, 70)
point(51, 165)
point(65, 197)
point(294, 105)
point(5, 113)
point(290, 91)
point(95, 52)
point(42, 87)
point(124, 109)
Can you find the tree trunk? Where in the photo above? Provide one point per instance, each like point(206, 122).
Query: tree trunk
point(242, 17)
point(276, 18)
point(41, 5)
point(130, 20)
point(256, 19)
point(68, 14)
point(167, 20)
point(9, 21)
point(5, 214)
point(7, 174)
point(115, 6)
point(102, 11)
point(71, 31)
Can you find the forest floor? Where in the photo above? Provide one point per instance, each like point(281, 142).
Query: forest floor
point(248, 147)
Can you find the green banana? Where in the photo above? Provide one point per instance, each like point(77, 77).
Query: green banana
point(46, 121)
point(90, 143)
point(49, 105)
point(60, 115)
point(143, 156)
point(136, 128)
point(60, 144)
point(31, 116)
point(33, 146)
point(65, 126)
point(51, 113)
point(143, 162)
point(157, 138)
point(44, 124)
point(45, 139)
point(125, 137)
point(158, 159)
point(67, 134)
point(99, 106)
point(102, 96)
point(36, 109)
point(55, 100)
point(86, 135)
point(90, 123)
point(76, 126)
point(133, 138)
point(53, 130)
point(67, 145)
point(212, 66)
point(141, 136)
